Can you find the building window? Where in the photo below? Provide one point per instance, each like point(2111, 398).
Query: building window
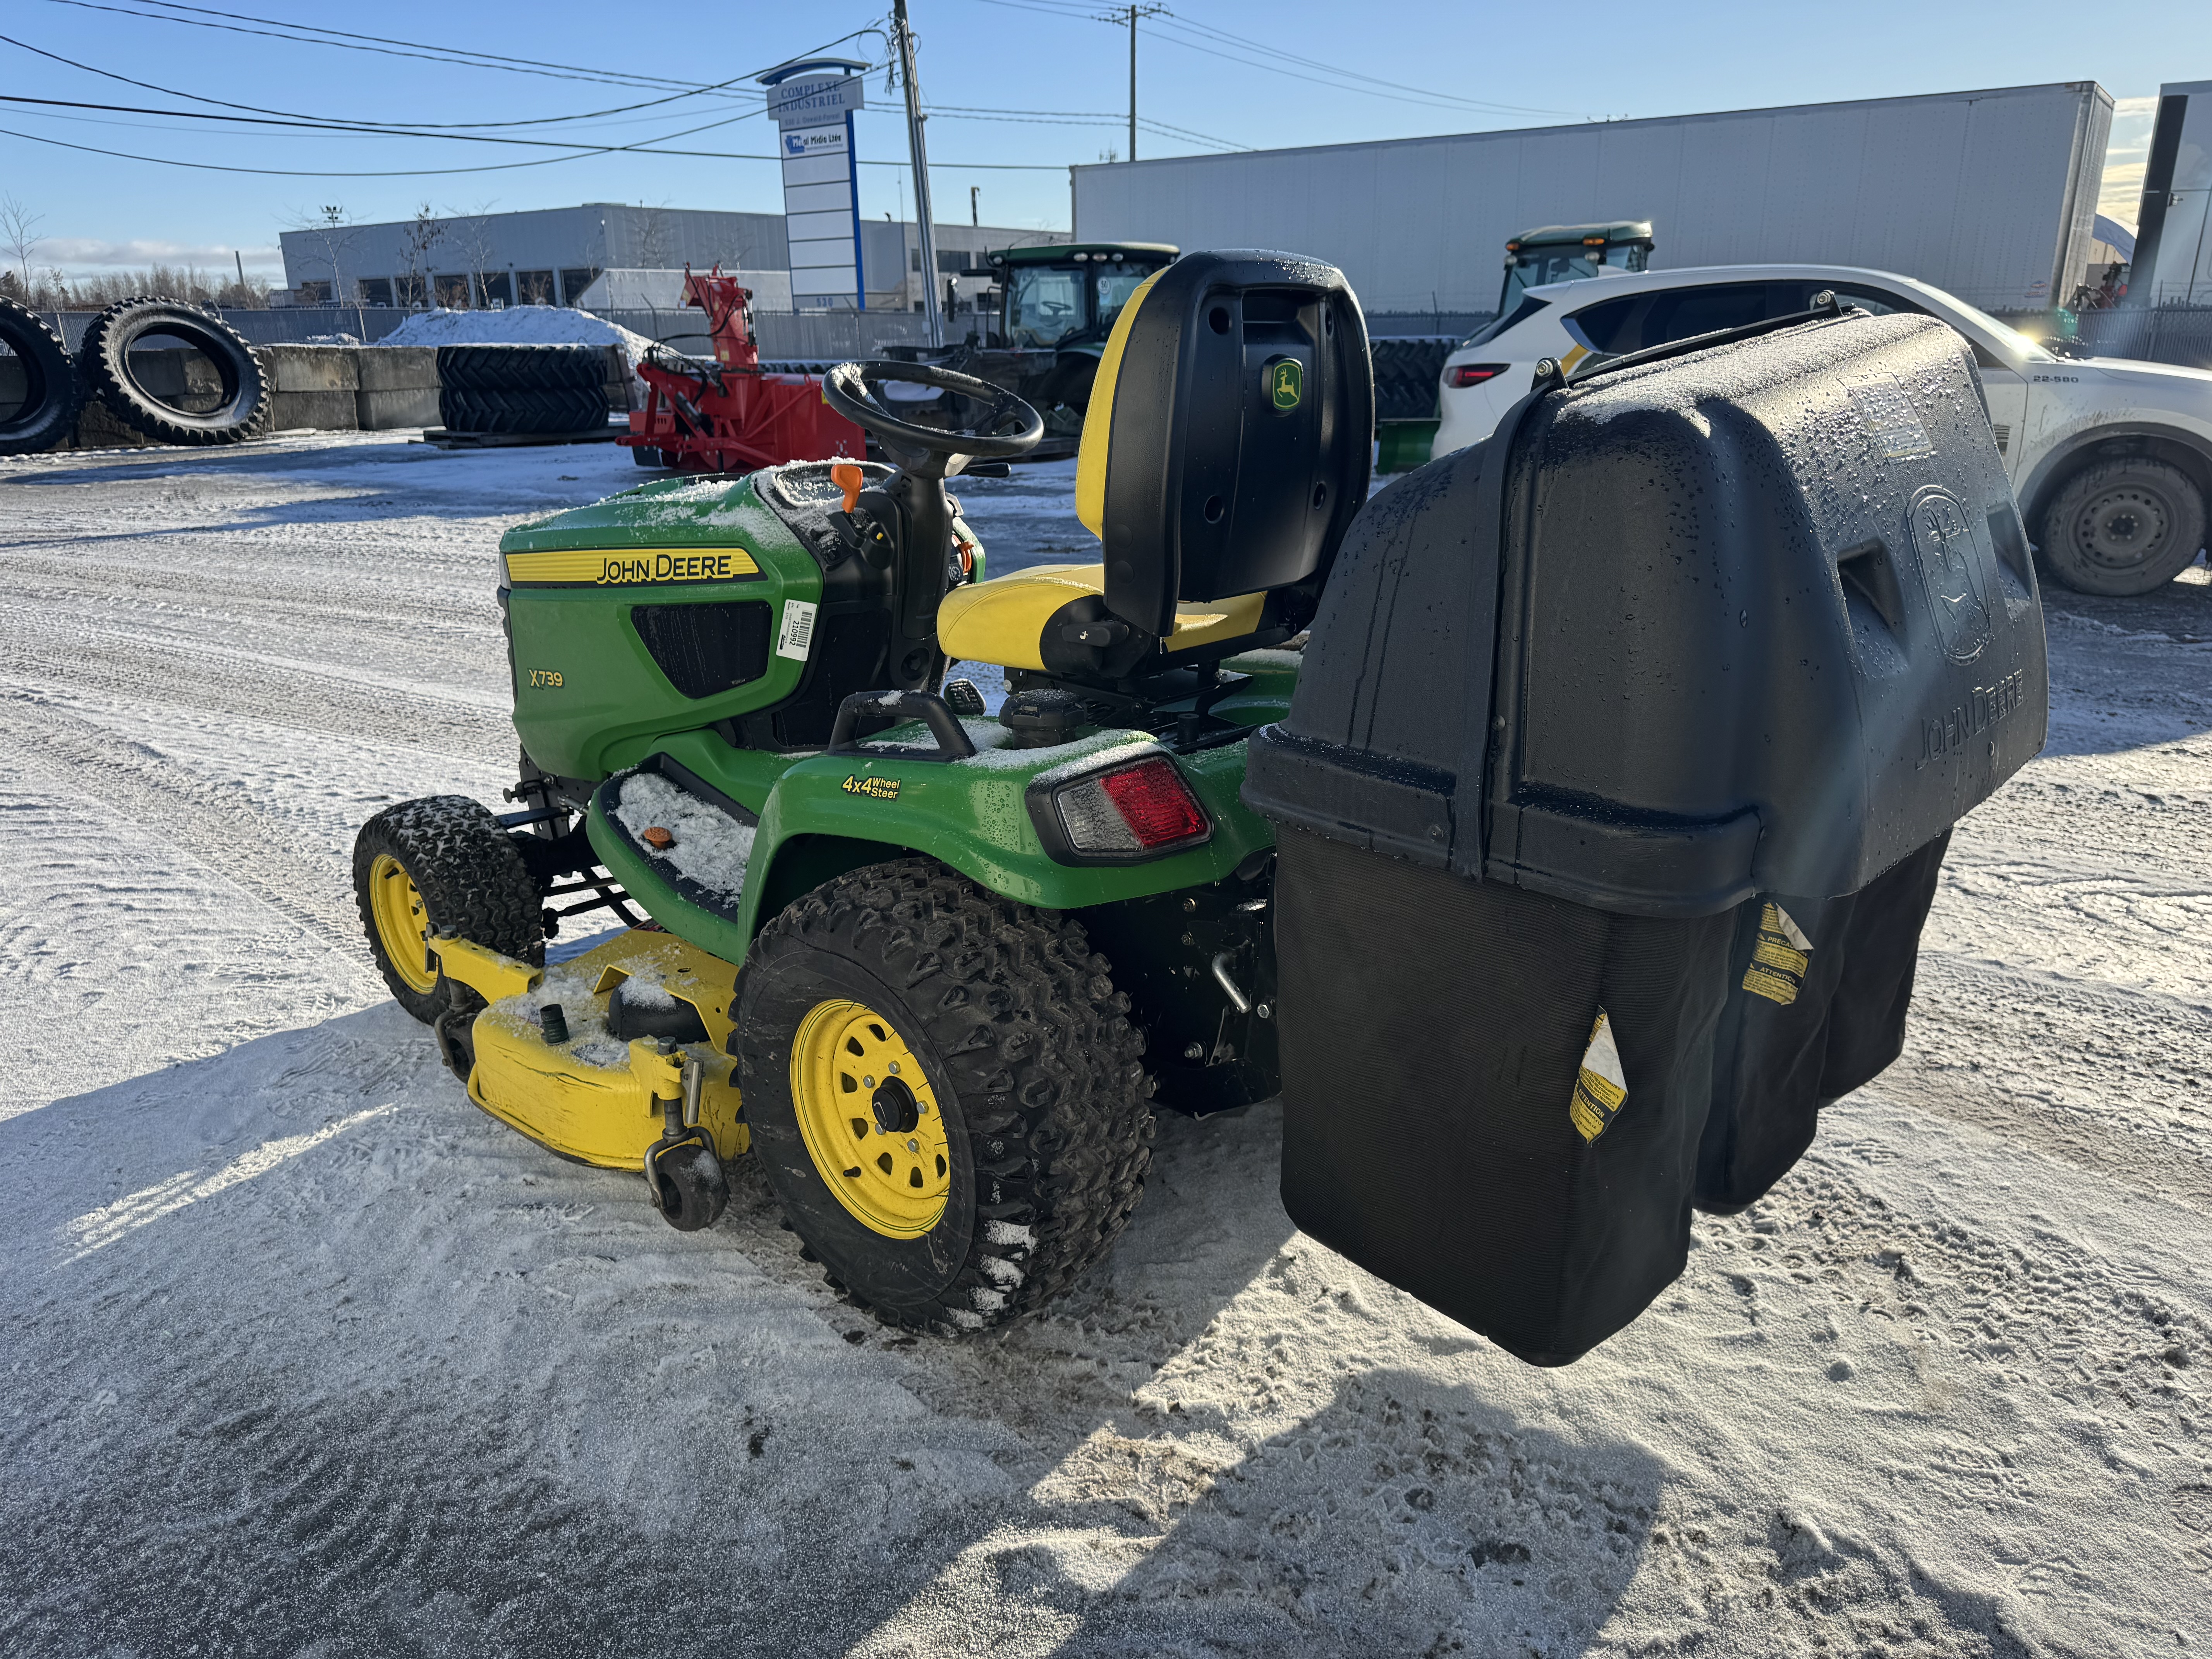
point(951, 262)
point(451, 292)
point(574, 281)
point(535, 288)
point(376, 290)
point(498, 287)
point(312, 293)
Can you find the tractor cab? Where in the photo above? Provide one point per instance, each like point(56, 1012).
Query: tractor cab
point(1057, 307)
point(1569, 253)
point(1062, 297)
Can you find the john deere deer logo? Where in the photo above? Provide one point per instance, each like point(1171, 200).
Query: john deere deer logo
point(1286, 381)
point(1951, 572)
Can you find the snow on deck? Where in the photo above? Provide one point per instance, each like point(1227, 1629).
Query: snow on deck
point(304, 1353)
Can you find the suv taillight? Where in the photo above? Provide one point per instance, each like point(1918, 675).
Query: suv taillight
point(1123, 816)
point(1466, 374)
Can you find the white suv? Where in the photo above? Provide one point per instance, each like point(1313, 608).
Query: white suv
point(2111, 460)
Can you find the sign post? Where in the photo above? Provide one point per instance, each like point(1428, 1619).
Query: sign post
point(813, 102)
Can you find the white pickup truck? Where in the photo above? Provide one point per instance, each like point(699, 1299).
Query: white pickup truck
point(2111, 460)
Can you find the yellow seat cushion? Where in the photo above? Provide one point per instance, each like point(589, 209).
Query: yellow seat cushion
point(1003, 620)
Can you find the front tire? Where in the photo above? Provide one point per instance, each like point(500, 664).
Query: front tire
point(2123, 528)
point(945, 1092)
point(442, 864)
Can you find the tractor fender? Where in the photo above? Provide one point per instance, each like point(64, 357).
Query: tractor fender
point(832, 813)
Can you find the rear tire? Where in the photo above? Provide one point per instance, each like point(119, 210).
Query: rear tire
point(442, 864)
point(1026, 1081)
point(2123, 527)
point(47, 414)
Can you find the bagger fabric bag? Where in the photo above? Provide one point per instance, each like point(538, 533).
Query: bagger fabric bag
point(1611, 802)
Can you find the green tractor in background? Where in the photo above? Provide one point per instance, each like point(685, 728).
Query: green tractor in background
point(1057, 307)
point(934, 967)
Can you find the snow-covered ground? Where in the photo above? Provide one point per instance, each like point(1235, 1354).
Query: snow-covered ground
point(301, 1354)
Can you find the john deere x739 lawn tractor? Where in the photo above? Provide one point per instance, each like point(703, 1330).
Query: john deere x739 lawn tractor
point(1592, 827)
point(881, 922)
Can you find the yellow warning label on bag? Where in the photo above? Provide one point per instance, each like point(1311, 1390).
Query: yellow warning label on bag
point(1780, 959)
point(1600, 1086)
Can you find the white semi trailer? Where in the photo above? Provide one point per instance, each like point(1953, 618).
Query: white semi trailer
point(1987, 195)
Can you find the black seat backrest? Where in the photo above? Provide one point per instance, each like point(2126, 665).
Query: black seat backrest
point(1228, 443)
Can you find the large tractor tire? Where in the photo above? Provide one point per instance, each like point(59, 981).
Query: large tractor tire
point(241, 409)
point(48, 413)
point(523, 413)
point(442, 864)
point(522, 367)
point(945, 1092)
point(2123, 527)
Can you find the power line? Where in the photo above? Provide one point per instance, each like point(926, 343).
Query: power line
point(306, 34)
point(312, 124)
point(1392, 87)
point(546, 120)
point(578, 153)
point(1338, 80)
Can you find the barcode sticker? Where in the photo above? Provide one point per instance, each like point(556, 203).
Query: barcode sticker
point(798, 632)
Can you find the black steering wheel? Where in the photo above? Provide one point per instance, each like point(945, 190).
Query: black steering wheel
point(1011, 428)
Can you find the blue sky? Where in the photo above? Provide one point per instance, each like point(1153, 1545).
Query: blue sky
point(1205, 69)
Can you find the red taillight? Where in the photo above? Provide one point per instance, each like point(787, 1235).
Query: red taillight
point(1155, 802)
point(1130, 813)
point(1467, 374)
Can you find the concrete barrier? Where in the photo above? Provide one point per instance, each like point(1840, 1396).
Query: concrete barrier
point(319, 387)
point(313, 385)
point(399, 388)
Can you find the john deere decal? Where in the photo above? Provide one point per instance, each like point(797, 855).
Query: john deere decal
point(602, 567)
point(1601, 1087)
point(1286, 382)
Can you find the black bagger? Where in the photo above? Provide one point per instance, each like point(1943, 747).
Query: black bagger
point(1612, 801)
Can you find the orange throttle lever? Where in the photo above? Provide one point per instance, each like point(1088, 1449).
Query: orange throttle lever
point(850, 479)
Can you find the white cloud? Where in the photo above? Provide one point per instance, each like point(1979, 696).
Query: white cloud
point(2120, 192)
point(78, 254)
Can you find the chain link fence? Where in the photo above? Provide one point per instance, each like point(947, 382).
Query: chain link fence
point(2181, 335)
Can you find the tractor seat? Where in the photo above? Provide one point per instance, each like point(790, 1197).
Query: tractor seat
point(1031, 618)
point(1224, 453)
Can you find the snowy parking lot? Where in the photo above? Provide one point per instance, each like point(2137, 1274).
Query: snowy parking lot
point(302, 1354)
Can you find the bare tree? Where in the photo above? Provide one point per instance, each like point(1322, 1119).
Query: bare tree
point(333, 235)
point(656, 232)
point(19, 235)
point(471, 235)
point(424, 233)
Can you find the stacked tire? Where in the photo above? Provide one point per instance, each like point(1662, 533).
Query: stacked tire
point(1407, 370)
point(241, 405)
point(47, 411)
point(535, 391)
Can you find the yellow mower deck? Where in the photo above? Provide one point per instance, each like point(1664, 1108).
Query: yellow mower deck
point(592, 1097)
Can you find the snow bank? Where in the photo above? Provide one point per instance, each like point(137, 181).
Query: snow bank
point(516, 325)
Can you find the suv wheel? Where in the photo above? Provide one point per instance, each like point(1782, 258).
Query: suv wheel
point(2123, 527)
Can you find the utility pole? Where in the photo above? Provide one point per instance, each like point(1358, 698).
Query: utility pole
point(919, 149)
point(974, 206)
point(1133, 13)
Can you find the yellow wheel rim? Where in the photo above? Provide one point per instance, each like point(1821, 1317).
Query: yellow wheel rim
point(402, 923)
point(870, 1119)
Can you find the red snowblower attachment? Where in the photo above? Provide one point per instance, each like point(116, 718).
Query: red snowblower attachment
point(723, 413)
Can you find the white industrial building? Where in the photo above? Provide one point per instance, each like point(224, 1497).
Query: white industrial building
point(551, 256)
point(1989, 195)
